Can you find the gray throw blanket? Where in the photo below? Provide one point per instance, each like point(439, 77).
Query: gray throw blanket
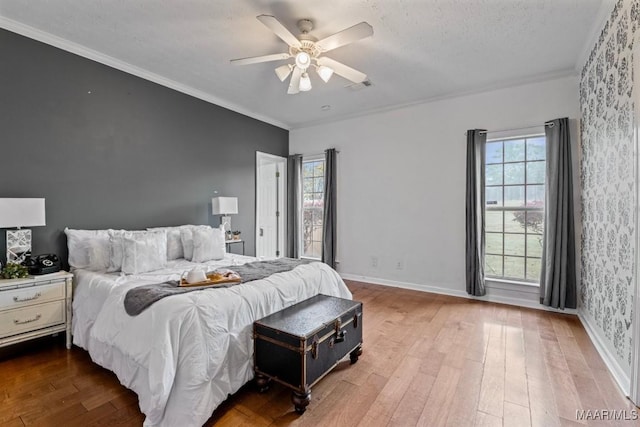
point(138, 299)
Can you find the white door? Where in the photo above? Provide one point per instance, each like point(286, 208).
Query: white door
point(270, 203)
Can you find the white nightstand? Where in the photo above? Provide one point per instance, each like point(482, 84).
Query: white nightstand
point(34, 307)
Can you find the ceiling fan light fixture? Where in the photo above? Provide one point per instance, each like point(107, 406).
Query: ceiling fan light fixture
point(303, 60)
point(305, 83)
point(283, 71)
point(324, 72)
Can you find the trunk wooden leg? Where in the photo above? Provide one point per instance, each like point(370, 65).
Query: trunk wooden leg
point(301, 401)
point(263, 383)
point(355, 354)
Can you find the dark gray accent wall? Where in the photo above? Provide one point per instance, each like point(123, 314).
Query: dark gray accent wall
point(107, 149)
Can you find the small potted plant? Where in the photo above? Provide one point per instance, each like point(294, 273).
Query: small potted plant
point(14, 271)
point(236, 235)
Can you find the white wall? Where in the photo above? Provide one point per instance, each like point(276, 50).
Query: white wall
point(401, 179)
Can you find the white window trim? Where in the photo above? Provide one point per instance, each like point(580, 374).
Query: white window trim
point(310, 158)
point(502, 136)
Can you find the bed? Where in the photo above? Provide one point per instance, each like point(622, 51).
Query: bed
point(186, 353)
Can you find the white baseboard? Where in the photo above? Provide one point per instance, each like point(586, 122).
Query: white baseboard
point(619, 375)
point(403, 285)
point(498, 293)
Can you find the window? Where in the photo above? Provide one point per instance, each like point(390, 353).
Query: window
point(514, 211)
point(312, 207)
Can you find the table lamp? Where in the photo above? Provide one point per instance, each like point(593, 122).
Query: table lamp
point(20, 213)
point(224, 206)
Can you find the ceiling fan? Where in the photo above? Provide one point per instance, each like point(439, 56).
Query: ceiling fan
point(307, 52)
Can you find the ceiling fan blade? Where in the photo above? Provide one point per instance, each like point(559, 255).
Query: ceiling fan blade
point(258, 59)
point(343, 70)
point(350, 35)
point(294, 83)
point(279, 30)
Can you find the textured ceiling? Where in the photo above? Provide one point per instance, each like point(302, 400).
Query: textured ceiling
point(420, 50)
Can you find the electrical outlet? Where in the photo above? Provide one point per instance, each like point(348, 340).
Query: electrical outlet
point(374, 261)
point(400, 264)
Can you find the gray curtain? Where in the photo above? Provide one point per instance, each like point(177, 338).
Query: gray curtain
point(558, 276)
point(329, 228)
point(476, 145)
point(294, 206)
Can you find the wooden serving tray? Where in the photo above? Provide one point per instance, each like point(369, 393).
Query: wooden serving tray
point(214, 279)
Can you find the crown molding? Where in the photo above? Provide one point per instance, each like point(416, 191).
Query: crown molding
point(489, 88)
point(85, 52)
point(603, 14)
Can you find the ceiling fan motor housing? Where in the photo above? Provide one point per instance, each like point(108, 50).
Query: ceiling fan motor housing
point(308, 46)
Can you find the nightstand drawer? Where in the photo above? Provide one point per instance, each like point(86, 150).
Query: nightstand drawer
point(13, 322)
point(31, 295)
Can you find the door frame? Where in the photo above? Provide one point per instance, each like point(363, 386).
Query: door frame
point(634, 389)
point(282, 199)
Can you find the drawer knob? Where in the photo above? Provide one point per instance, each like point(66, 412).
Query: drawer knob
point(22, 322)
point(31, 298)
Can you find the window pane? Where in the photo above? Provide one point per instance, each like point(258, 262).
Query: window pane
point(316, 250)
point(319, 185)
point(494, 152)
point(514, 150)
point(535, 222)
point(535, 195)
point(308, 200)
point(534, 245)
point(494, 243)
point(514, 244)
point(307, 169)
point(493, 196)
point(514, 221)
point(535, 149)
point(535, 173)
point(493, 221)
point(514, 173)
point(317, 233)
point(308, 185)
point(514, 267)
point(514, 196)
point(493, 175)
point(493, 265)
point(533, 269)
point(319, 168)
point(317, 219)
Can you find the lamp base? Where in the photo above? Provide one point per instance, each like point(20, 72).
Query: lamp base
point(18, 245)
point(225, 221)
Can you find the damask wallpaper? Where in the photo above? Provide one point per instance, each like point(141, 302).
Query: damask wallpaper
point(607, 178)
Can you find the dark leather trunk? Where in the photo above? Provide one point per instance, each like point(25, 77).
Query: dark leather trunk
point(297, 346)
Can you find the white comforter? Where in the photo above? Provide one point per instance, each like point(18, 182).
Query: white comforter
point(186, 353)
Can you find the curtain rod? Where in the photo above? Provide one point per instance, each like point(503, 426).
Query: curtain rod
point(550, 124)
point(316, 154)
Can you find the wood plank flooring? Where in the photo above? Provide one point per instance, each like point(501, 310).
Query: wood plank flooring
point(429, 360)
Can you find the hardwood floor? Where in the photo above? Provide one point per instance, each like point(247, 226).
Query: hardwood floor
point(428, 360)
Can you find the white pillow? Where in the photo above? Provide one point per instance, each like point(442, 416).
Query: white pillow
point(208, 244)
point(186, 236)
point(174, 241)
point(144, 252)
point(88, 249)
point(116, 248)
